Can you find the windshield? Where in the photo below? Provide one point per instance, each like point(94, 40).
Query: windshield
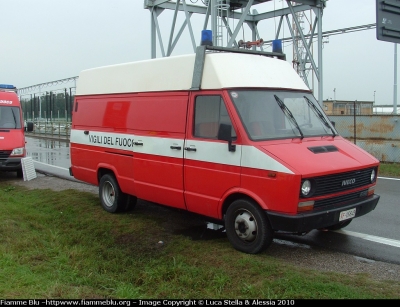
point(10, 118)
point(281, 114)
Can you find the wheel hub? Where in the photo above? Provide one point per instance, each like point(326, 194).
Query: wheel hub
point(108, 194)
point(246, 226)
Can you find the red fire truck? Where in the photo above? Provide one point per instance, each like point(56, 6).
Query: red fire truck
point(234, 136)
point(12, 136)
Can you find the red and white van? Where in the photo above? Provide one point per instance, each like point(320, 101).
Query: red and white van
point(12, 136)
point(233, 136)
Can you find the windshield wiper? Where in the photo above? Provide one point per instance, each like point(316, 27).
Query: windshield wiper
point(320, 115)
point(15, 119)
point(288, 114)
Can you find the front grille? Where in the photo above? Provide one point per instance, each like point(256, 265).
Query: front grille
point(340, 200)
point(4, 154)
point(341, 182)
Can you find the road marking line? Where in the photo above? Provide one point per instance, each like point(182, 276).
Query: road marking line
point(389, 178)
point(376, 239)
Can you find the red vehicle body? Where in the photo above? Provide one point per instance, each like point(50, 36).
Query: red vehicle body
point(12, 135)
point(253, 152)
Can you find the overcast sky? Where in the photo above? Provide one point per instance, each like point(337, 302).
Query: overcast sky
point(47, 40)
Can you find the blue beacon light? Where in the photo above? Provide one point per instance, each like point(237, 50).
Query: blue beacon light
point(7, 86)
point(206, 38)
point(277, 45)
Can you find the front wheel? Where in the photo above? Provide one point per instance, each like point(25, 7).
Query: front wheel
point(20, 173)
point(111, 197)
point(247, 227)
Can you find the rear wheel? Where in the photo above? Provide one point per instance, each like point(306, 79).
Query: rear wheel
point(247, 227)
point(112, 198)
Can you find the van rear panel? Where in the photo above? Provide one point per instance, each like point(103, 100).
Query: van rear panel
point(132, 135)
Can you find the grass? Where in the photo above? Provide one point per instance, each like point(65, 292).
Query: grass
point(389, 169)
point(64, 245)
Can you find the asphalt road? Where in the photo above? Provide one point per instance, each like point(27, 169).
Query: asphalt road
point(50, 156)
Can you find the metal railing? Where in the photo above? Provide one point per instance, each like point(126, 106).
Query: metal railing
point(57, 128)
point(377, 134)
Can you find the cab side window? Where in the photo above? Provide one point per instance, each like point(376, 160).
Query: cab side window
point(210, 112)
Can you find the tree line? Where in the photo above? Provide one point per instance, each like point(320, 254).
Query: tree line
point(51, 105)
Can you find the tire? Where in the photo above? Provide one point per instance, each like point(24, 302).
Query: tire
point(112, 198)
point(339, 225)
point(247, 227)
point(20, 174)
point(29, 126)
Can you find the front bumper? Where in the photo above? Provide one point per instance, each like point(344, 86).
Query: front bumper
point(10, 164)
point(305, 222)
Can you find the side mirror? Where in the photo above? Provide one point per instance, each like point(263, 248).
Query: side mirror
point(225, 134)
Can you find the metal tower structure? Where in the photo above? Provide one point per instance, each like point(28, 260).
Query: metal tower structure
point(244, 16)
point(300, 61)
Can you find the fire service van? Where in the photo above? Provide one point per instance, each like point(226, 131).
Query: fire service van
point(12, 130)
point(229, 134)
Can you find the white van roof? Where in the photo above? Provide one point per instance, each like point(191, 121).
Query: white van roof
point(175, 73)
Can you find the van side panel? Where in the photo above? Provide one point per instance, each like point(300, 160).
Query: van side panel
point(104, 120)
point(88, 160)
point(159, 114)
point(158, 120)
point(106, 112)
point(268, 186)
point(139, 137)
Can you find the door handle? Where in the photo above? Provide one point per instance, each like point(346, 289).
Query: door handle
point(176, 147)
point(190, 148)
point(138, 143)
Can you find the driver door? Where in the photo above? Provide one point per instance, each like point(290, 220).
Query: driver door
point(210, 169)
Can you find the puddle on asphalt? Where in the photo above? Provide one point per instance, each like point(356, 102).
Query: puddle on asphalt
point(48, 151)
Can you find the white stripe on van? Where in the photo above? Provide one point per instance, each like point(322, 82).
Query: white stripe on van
point(151, 145)
point(250, 156)
point(255, 158)
point(214, 152)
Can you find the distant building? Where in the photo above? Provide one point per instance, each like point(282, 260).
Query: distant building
point(345, 107)
point(385, 109)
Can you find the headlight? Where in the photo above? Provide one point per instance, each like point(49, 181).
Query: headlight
point(373, 175)
point(305, 188)
point(17, 152)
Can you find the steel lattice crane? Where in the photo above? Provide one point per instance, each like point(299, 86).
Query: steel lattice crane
point(228, 19)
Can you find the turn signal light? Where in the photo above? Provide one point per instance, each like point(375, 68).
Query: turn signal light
point(371, 191)
point(305, 206)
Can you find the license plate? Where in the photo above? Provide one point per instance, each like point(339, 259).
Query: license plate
point(348, 214)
